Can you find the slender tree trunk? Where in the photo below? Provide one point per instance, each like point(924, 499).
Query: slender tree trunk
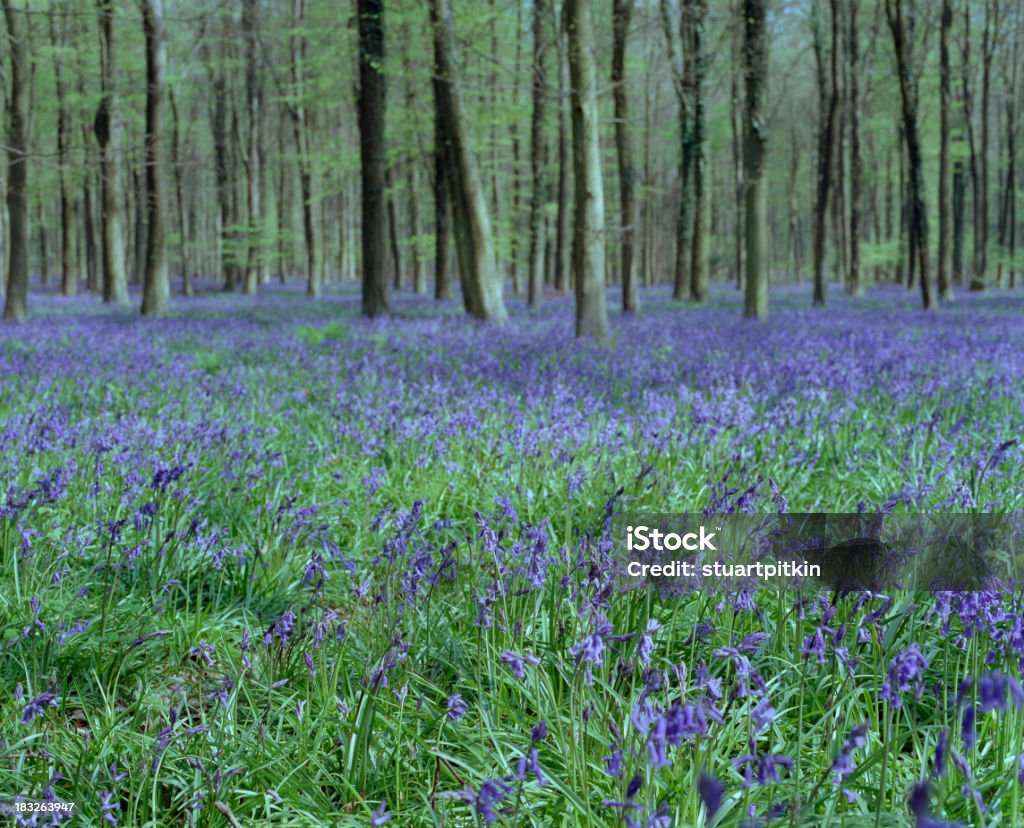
point(959, 209)
point(701, 202)
point(442, 200)
point(16, 301)
point(514, 224)
point(945, 184)
point(621, 14)
point(793, 229)
point(185, 262)
point(255, 265)
point(284, 213)
point(588, 247)
point(108, 132)
point(918, 218)
point(736, 133)
point(563, 258)
point(156, 286)
point(392, 226)
point(137, 207)
point(648, 255)
point(372, 95)
point(481, 282)
point(301, 127)
point(828, 100)
point(755, 53)
point(68, 267)
point(44, 245)
point(988, 45)
point(683, 67)
point(93, 276)
point(855, 283)
point(966, 65)
point(419, 275)
point(538, 157)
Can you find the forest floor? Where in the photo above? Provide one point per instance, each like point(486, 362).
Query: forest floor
point(265, 558)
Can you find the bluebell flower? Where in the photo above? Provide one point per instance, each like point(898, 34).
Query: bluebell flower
point(36, 706)
point(711, 791)
point(491, 794)
point(457, 708)
point(906, 668)
point(380, 815)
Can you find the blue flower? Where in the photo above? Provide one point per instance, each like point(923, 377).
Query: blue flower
point(457, 708)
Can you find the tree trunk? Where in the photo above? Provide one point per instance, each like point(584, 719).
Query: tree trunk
point(108, 132)
point(621, 13)
point(69, 275)
point(16, 302)
point(185, 262)
point(945, 185)
point(300, 125)
point(392, 227)
point(284, 214)
point(419, 275)
point(755, 53)
point(736, 134)
point(538, 158)
point(156, 282)
point(372, 95)
point(563, 252)
point(828, 108)
point(256, 264)
point(701, 202)
point(442, 200)
point(481, 282)
point(855, 283)
point(683, 76)
point(918, 218)
point(588, 248)
point(988, 45)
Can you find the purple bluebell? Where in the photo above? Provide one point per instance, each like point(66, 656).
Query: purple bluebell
point(36, 706)
point(457, 707)
point(380, 815)
point(711, 791)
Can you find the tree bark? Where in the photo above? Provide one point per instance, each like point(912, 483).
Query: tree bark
point(945, 281)
point(16, 302)
point(107, 127)
point(988, 45)
point(855, 282)
point(68, 267)
point(442, 200)
point(588, 247)
point(372, 95)
point(179, 199)
point(538, 158)
point(755, 55)
point(828, 108)
point(917, 218)
point(621, 13)
point(563, 251)
point(682, 71)
point(300, 125)
point(392, 228)
point(701, 202)
point(156, 282)
point(256, 264)
point(481, 282)
point(736, 134)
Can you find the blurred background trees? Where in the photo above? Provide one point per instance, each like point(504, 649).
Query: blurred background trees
point(842, 142)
